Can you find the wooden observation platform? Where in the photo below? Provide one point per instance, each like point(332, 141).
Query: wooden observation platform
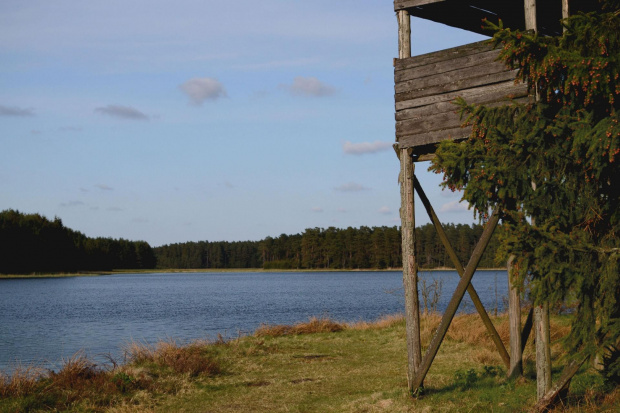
point(425, 87)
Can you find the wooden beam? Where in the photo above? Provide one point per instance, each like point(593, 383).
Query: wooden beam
point(404, 34)
point(453, 305)
point(567, 374)
point(527, 328)
point(530, 15)
point(565, 11)
point(514, 316)
point(410, 267)
point(402, 4)
point(459, 268)
point(543, 350)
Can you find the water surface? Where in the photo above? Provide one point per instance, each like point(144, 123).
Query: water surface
point(47, 319)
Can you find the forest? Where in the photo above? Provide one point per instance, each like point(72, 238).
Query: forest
point(31, 243)
point(331, 248)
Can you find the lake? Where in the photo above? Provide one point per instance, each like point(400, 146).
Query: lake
point(43, 320)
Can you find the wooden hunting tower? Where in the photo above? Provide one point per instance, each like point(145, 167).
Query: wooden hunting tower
point(424, 88)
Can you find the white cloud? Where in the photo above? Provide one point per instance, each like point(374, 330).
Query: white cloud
point(15, 111)
point(454, 206)
point(365, 147)
point(123, 112)
point(200, 89)
point(351, 187)
point(309, 86)
point(385, 210)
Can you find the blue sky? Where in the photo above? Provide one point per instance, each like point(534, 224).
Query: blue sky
point(206, 120)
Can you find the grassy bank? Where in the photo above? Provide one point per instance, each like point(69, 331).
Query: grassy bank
point(319, 365)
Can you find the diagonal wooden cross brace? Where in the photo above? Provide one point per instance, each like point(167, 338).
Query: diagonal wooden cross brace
point(456, 299)
point(459, 268)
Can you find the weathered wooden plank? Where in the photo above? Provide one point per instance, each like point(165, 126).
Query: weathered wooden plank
point(411, 141)
point(443, 55)
point(492, 99)
point(428, 124)
point(403, 4)
point(460, 63)
point(410, 267)
point(482, 80)
point(509, 86)
point(450, 77)
point(486, 320)
point(453, 305)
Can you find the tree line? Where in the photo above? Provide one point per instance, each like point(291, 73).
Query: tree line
point(331, 248)
point(31, 243)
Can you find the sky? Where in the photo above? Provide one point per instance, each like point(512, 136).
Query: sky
point(207, 120)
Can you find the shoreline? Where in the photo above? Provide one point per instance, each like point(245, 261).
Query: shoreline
point(219, 270)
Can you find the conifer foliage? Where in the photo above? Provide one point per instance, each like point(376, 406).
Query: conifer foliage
point(552, 169)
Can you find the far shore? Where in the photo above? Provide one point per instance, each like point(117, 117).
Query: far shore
point(219, 270)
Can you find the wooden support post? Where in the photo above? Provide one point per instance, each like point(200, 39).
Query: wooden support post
point(453, 305)
point(459, 268)
point(410, 268)
point(543, 350)
point(407, 216)
point(404, 34)
point(530, 15)
point(514, 316)
point(565, 9)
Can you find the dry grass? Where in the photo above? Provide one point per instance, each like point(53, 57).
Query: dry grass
point(191, 359)
point(383, 322)
point(21, 382)
point(314, 325)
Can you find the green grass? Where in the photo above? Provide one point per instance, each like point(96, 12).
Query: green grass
point(318, 366)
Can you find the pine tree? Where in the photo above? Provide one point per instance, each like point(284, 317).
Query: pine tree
point(551, 167)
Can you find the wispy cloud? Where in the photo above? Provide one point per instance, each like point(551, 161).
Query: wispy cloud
point(351, 187)
point(277, 64)
point(309, 86)
point(361, 148)
point(385, 210)
point(104, 187)
point(317, 209)
point(71, 204)
point(454, 206)
point(70, 129)
point(204, 88)
point(122, 112)
point(15, 111)
point(114, 209)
